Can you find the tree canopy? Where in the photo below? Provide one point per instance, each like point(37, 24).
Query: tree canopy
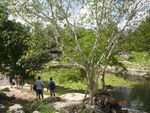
point(13, 42)
point(139, 40)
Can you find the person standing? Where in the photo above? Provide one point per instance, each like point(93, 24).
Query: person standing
point(21, 83)
point(10, 81)
point(17, 80)
point(51, 86)
point(40, 86)
point(31, 86)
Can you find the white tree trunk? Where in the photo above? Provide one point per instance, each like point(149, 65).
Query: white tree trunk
point(92, 86)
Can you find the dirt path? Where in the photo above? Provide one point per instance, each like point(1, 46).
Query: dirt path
point(10, 96)
point(15, 92)
point(27, 96)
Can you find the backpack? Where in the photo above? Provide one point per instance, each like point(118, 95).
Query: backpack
point(13, 83)
point(51, 84)
point(34, 87)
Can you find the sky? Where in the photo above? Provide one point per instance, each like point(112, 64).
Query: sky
point(78, 13)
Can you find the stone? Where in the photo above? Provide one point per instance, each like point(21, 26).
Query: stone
point(2, 106)
point(45, 101)
point(17, 108)
point(74, 96)
point(51, 99)
point(135, 111)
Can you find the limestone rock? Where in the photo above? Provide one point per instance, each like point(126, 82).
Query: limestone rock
point(45, 101)
point(17, 108)
point(2, 106)
point(73, 96)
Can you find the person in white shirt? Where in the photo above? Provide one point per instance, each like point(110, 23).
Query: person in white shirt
point(40, 86)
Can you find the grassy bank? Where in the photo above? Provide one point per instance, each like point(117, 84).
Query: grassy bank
point(65, 84)
point(74, 79)
point(136, 59)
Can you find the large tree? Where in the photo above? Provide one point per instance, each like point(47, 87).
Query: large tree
point(13, 42)
point(103, 16)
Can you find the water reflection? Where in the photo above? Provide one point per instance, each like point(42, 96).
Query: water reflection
point(141, 93)
point(137, 97)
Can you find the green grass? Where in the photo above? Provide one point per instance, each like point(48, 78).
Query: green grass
point(67, 80)
point(141, 58)
point(65, 85)
point(118, 81)
point(63, 78)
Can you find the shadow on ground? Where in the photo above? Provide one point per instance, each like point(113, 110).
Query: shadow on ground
point(61, 90)
point(7, 101)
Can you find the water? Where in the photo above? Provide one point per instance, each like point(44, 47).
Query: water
point(137, 97)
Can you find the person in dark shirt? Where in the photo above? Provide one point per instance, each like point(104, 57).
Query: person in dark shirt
point(51, 86)
point(10, 81)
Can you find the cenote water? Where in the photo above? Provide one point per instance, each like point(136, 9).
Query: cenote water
point(137, 97)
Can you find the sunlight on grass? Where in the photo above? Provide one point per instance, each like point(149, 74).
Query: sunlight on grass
point(138, 59)
point(63, 85)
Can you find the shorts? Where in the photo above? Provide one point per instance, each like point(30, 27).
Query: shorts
point(39, 91)
point(52, 91)
point(10, 81)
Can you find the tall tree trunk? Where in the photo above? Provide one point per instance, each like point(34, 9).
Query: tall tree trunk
point(91, 97)
point(91, 84)
point(86, 92)
point(103, 79)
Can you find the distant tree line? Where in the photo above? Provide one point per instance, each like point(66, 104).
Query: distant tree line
point(139, 39)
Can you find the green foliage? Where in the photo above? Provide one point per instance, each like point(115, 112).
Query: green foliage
point(60, 77)
point(114, 61)
point(86, 39)
point(139, 40)
point(74, 76)
point(136, 60)
point(41, 105)
point(13, 42)
point(141, 58)
point(3, 11)
point(41, 49)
